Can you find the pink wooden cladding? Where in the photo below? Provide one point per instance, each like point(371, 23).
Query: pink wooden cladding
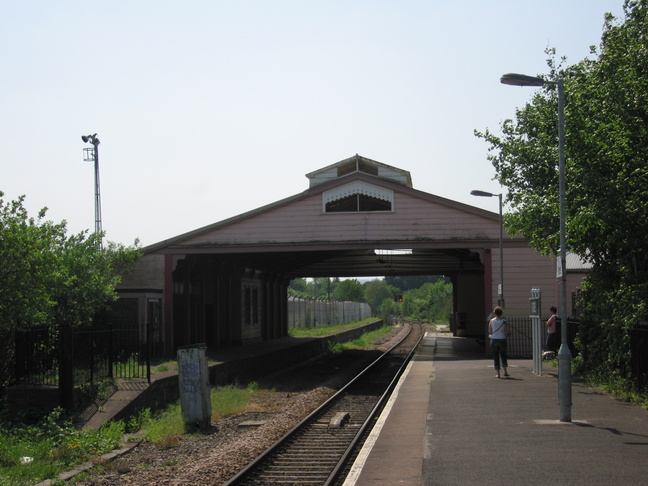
point(303, 221)
point(524, 269)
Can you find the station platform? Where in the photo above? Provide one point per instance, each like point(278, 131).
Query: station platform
point(238, 364)
point(452, 422)
point(228, 365)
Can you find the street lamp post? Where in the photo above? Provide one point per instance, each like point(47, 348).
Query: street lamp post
point(500, 301)
point(92, 155)
point(564, 353)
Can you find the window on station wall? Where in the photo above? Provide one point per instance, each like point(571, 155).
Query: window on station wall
point(357, 165)
point(356, 203)
point(250, 305)
point(247, 306)
point(358, 197)
point(255, 306)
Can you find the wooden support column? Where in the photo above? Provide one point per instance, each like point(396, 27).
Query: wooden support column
point(266, 332)
point(488, 282)
point(201, 301)
point(276, 308)
point(168, 306)
point(235, 304)
point(186, 314)
point(223, 318)
point(263, 308)
point(211, 299)
point(269, 304)
point(283, 306)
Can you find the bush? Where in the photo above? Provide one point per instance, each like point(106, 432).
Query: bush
point(32, 453)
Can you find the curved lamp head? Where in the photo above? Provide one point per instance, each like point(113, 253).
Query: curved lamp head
point(514, 79)
point(482, 193)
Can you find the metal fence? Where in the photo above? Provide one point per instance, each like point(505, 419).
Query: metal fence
point(520, 340)
point(313, 313)
point(36, 357)
point(94, 354)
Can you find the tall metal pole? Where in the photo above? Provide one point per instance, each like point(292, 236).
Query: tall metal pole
point(94, 140)
point(500, 301)
point(98, 229)
point(501, 245)
point(564, 353)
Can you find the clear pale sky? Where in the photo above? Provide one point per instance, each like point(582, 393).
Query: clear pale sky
point(208, 109)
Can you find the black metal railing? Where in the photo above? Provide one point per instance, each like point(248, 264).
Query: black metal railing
point(520, 339)
point(36, 357)
point(96, 354)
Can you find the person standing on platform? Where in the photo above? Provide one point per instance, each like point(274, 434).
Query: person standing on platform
point(551, 330)
point(497, 335)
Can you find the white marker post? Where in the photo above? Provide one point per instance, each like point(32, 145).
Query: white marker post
point(193, 377)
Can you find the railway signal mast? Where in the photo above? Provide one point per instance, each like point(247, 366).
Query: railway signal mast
point(91, 154)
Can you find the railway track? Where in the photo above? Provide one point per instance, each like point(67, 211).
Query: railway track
point(318, 450)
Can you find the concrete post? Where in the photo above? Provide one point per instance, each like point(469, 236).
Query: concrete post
point(193, 377)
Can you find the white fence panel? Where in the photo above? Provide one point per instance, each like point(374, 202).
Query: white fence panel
point(314, 313)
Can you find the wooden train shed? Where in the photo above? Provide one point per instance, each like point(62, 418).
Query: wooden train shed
point(226, 284)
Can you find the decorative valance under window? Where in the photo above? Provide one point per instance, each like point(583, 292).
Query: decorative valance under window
point(358, 188)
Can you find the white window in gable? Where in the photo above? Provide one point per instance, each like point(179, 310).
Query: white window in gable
point(357, 197)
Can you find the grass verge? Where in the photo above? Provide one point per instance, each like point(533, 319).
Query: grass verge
point(327, 330)
point(364, 341)
point(33, 453)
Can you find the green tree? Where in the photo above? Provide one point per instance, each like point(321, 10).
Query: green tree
point(410, 305)
point(432, 301)
point(298, 287)
point(439, 300)
point(350, 290)
point(388, 307)
point(606, 110)
point(410, 282)
point(87, 277)
point(322, 288)
point(48, 277)
point(375, 292)
point(25, 276)
point(606, 151)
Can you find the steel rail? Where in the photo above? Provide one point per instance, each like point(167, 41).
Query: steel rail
point(376, 410)
point(243, 474)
